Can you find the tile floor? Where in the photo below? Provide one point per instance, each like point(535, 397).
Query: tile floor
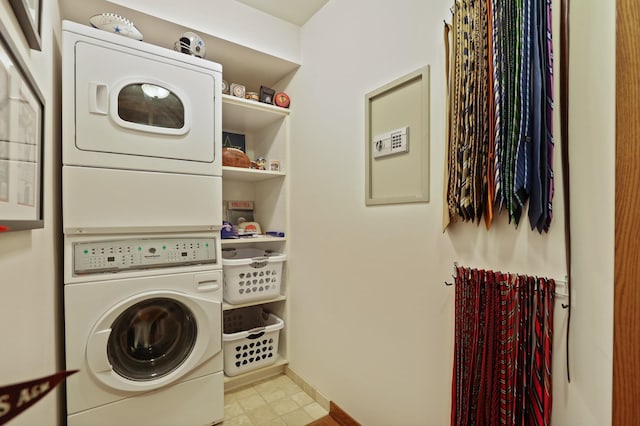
point(277, 401)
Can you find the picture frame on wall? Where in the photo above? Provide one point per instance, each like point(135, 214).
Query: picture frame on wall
point(28, 14)
point(21, 142)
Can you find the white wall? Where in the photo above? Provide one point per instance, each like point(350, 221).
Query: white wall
point(592, 116)
point(371, 322)
point(30, 280)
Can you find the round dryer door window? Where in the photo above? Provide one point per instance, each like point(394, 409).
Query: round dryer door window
point(151, 339)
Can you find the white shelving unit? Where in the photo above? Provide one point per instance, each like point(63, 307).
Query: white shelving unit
point(250, 115)
point(227, 306)
point(266, 135)
point(249, 175)
point(253, 240)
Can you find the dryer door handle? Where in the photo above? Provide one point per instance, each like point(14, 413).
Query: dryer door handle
point(98, 98)
point(97, 351)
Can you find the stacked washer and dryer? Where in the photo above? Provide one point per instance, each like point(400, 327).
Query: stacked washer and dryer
point(141, 199)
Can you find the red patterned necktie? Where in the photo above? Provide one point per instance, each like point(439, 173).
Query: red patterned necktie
point(549, 304)
point(540, 395)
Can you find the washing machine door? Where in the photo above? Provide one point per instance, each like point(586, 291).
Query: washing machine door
point(152, 339)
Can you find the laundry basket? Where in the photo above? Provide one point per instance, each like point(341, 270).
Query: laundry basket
point(250, 339)
point(251, 274)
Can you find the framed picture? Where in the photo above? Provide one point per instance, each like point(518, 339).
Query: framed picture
point(266, 95)
point(21, 143)
point(28, 14)
point(233, 140)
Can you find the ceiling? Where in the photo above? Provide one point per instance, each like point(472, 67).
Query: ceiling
point(295, 11)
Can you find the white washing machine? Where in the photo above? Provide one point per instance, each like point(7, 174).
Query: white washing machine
point(143, 324)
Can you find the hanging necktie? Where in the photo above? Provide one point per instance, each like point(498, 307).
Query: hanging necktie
point(537, 117)
point(468, 122)
point(477, 343)
point(521, 189)
point(486, 411)
point(515, 29)
point(550, 143)
point(483, 140)
point(524, 325)
point(546, 151)
point(549, 304)
point(496, 25)
point(456, 108)
point(540, 392)
point(482, 126)
point(491, 120)
point(507, 101)
point(507, 346)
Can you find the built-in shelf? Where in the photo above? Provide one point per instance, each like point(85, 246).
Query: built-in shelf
point(252, 240)
point(244, 115)
point(249, 175)
point(235, 382)
point(228, 306)
point(266, 131)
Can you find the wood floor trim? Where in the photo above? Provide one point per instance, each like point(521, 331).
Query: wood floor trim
point(339, 415)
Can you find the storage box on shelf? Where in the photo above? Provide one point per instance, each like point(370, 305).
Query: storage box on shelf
point(251, 337)
point(251, 274)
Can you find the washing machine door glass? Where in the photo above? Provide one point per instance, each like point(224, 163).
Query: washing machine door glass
point(151, 339)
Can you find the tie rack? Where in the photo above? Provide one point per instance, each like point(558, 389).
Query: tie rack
point(561, 285)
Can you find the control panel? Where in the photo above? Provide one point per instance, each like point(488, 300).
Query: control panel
point(394, 142)
point(141, 253)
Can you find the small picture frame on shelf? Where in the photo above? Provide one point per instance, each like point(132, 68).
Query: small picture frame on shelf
point(239, 211)
point(266, 95)
point(274, 165)
point(234, 140)
point(238, 90)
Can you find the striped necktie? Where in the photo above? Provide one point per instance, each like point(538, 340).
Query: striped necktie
point(549, 305)
point(549, 108)
point(521, 187)
point(496, 24)
point(540, 391)
point(468, 111)
point(507, 339)
point(490, 166)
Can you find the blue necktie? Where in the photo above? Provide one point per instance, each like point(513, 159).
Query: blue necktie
point(521, 185)
point(537, 117)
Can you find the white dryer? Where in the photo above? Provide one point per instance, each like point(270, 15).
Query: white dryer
point(148, 346)
point(142, 136)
